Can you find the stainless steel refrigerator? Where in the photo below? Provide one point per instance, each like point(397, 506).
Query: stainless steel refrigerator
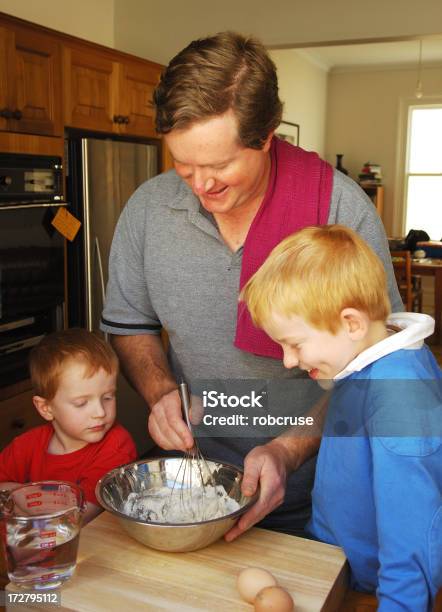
point(102, 174)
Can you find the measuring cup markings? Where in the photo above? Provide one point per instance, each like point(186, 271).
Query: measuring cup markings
point(48, 544)
point(33, 504)
point(41, 536)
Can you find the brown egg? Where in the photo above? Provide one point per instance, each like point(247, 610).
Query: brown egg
point(252, 580)
point(274, 599)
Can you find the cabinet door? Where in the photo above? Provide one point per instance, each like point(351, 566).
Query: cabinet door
point(18, 415)
point(7, 80)
point(90, 82)
point(137, 82)
point(37, 84)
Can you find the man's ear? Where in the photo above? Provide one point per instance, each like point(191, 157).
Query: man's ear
point(268, 142)
point(43, 407)
point(355, 322)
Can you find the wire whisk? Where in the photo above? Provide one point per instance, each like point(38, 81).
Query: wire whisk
point(194, 488)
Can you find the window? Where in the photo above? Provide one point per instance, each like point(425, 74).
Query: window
point(423, 176)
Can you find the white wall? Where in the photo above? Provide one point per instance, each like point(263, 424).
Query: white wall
point(366, 115)
point(158, 30)
point(89, 19)
point(303, 89)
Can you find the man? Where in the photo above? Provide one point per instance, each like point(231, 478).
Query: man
point(183, 248)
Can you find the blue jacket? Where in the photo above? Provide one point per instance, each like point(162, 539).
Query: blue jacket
point(378, 485)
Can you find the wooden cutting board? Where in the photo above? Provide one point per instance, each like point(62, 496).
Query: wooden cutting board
point(117, 573)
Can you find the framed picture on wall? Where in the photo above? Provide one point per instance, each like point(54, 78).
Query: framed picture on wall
point(288, 131)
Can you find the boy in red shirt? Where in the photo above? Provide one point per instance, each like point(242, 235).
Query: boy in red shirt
point(74, 374)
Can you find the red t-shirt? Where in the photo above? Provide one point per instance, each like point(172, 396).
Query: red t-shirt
point(26, 459)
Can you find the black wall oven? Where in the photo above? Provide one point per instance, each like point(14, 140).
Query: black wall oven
point(32, 259)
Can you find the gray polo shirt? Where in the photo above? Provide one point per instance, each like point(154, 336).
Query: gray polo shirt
point(170, 267)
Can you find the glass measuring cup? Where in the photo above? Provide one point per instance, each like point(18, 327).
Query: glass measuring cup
point(40, 532)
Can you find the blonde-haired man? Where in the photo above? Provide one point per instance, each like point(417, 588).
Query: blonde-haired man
point(189, 238)
point(322, 296)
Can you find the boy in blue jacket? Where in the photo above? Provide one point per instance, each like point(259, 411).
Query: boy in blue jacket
point(322, 295)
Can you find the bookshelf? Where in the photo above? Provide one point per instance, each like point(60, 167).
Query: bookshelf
point(376, 195)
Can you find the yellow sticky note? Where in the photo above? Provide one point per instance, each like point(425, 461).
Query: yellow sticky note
point(66, 224)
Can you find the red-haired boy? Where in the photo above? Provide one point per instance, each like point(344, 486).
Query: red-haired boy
point(74, 374)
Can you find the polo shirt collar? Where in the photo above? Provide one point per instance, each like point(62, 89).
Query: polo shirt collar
point(414, 328)
point(187, 200)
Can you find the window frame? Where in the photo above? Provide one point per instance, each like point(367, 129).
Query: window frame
point(406, 106)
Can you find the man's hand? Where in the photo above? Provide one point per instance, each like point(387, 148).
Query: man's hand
point(267, 466)
point(167, 426)
point(270, 464)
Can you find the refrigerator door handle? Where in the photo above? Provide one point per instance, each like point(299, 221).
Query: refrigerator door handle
point(87, 234)
point(100, 268)
point(100, 272)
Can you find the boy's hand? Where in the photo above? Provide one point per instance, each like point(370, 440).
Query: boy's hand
point(92, 510)
point(267, 466)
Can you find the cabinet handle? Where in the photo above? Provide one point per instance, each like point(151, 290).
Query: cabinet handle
point(18, 423)
point(17, 114)
point(6, 113)
point(121, 119)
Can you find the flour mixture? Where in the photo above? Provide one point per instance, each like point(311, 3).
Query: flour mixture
point(180, 506)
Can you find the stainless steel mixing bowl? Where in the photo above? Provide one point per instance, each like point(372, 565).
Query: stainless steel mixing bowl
point(113, 490)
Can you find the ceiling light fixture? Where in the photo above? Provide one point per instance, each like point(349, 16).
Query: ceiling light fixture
point(419, 91)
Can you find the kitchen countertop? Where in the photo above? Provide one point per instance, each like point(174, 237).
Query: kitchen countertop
point(115, 572)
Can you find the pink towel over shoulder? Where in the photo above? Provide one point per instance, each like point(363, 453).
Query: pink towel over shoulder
point(298, 195)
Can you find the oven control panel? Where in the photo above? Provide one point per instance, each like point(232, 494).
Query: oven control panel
point(30, 179)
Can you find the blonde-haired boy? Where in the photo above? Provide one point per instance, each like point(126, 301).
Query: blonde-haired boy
point(322, 295)
point(74, 374)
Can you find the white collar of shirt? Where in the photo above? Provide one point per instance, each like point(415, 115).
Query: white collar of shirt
point(415, 327)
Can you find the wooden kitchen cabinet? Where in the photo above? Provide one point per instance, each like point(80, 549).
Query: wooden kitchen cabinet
point(17, 414)
point(50, 80)
point(136, 85)
point(89, 83)
point(6, 73)
point(30, 81)
point(107, 95)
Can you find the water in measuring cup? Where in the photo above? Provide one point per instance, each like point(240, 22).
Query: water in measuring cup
point(42, 554)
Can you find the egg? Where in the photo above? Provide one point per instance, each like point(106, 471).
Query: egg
point(251, 580)
point(274, 599)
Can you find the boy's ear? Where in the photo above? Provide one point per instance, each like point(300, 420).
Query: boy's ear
point(355, 323)
point(43, 407)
